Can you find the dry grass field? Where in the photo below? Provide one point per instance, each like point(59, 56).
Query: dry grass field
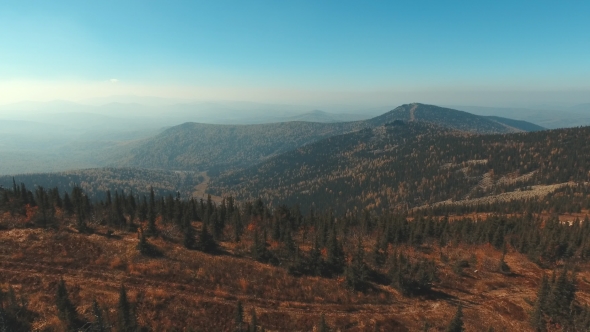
point(185, 289)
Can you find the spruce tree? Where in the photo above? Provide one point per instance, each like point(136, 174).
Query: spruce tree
point(189, 235)
point(67, 203)
point(125, 312)
point(98, 325)
point(322, 326)
point(315, 262)
point(289, 244)
point(206, 241)
point(151, 228)
point(143, 246)
point(253, 321)
point(335, 259)
point(66, 311)
point(456, 324)
point(239, 317)
point(537, 316)
point(356, 272)
point(259, 251)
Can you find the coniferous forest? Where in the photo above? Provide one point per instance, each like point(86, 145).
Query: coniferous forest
point(66, 253)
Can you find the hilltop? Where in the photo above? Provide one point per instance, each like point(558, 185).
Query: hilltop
point(448, 118)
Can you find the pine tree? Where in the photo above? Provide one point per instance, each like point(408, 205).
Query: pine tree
point(556, 302)
point(66, 311)
point(253, 321)
point(98, 325)
point(259, 251)
point(322, 326)
point(356, 272)
point(290, 245)
point(335, 259)
point(239, 317)
point(315, 262)
point(537, 317)
point(67, 203)
point(189, 235)
point(143, 246)
point(14, 315)
point(206, 241)
point(151, 229)
point(456, 324)
point(125, 312)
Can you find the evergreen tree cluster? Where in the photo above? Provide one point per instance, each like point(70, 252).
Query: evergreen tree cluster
point(14, 313)
point(555, 305)
point(411, 277)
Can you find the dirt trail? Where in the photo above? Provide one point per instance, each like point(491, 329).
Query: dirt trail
point(413, 112)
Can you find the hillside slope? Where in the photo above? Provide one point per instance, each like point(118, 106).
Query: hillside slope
point(197, 146)
point(517, 124)
point(412, 164)
point(96, 181)
point(361, 273)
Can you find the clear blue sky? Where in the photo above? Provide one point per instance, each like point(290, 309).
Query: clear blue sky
point(232, 47)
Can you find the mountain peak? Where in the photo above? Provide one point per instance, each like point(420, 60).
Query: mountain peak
point(445, 117)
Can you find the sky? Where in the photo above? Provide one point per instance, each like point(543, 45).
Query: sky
point(310, 52)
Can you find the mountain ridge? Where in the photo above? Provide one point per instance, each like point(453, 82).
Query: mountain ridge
point(190, 146)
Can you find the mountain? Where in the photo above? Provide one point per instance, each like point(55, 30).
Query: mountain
point(445, 117)
point(408, 164)
point(197, 146)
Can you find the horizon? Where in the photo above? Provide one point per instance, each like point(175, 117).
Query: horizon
point(363, 56)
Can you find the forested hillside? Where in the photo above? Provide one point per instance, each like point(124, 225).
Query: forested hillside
point(407, 165)
point(96, 182)
point(199, 147)
point(149, 263)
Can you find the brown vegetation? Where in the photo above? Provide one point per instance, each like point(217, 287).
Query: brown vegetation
point(185, 288)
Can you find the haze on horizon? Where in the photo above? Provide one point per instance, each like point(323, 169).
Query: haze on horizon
point(301, 53)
